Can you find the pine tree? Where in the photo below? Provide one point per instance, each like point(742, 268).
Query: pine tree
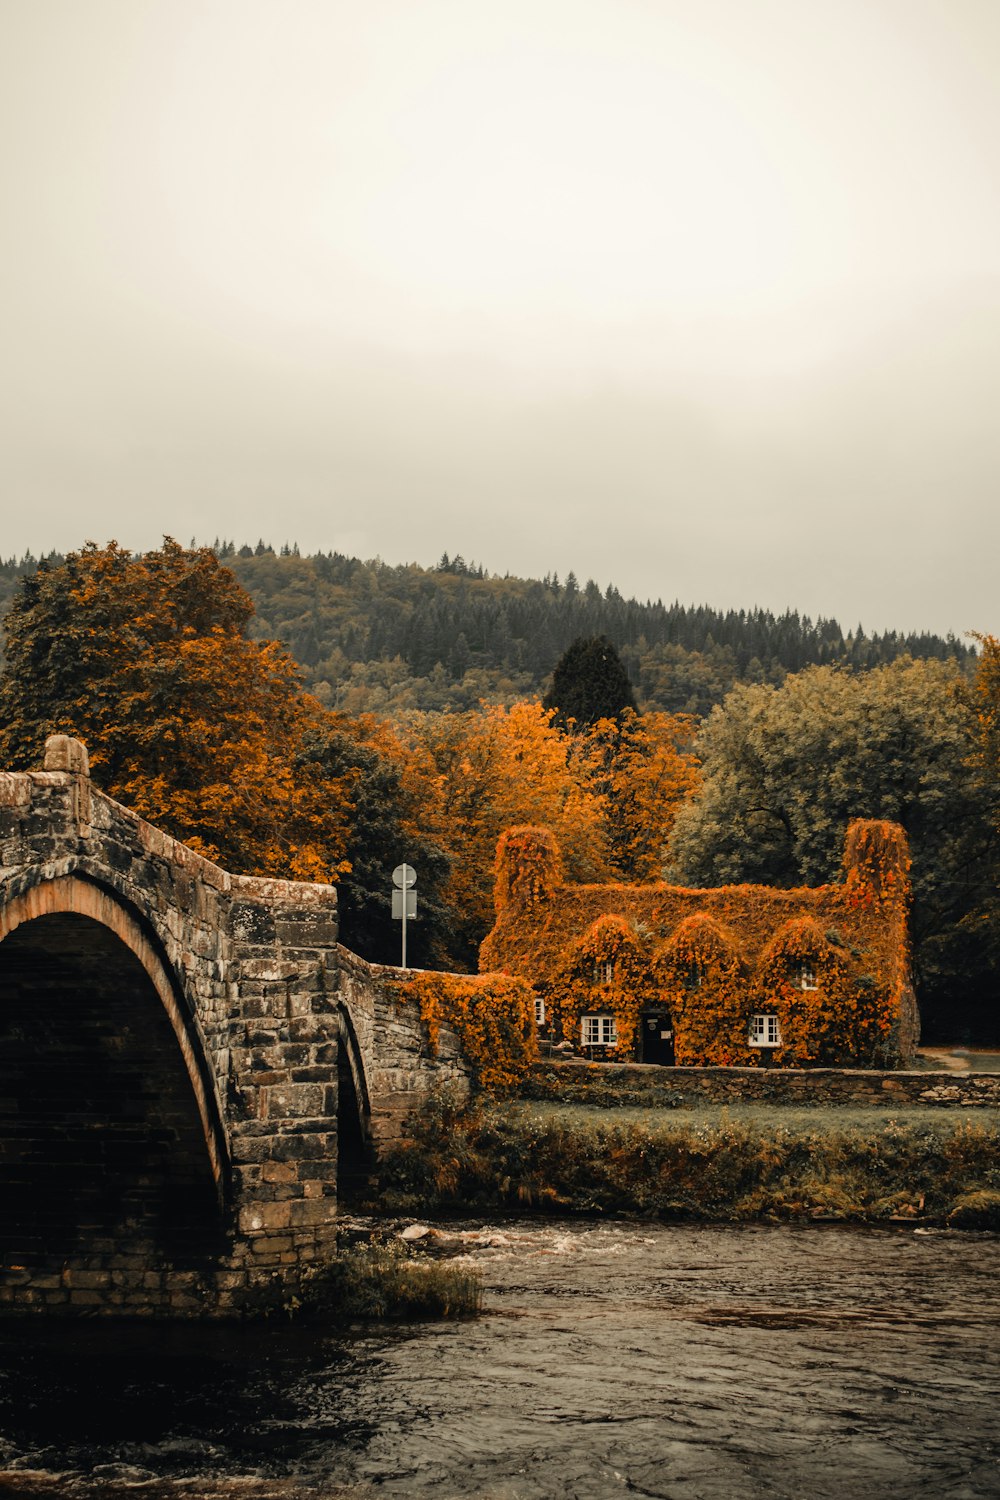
point(589, 683)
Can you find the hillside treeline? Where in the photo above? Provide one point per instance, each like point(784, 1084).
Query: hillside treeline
point(371, 637)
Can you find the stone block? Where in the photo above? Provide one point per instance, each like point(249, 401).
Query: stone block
point(294, 1101)
point(252, 924)
point(310, 1211)
point(279, 1171)
point(183, 1280)
point(15, 791)
point(89, 1280)
point(259, 1218)
point(313, 1073)
point(280, 1244)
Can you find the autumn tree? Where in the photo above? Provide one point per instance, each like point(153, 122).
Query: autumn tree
point(642, 769)
point(189, 723)
point(984, 701)
point(498, 767)
point(589, 683)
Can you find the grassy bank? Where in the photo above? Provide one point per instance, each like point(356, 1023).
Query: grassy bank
point(750, 1162)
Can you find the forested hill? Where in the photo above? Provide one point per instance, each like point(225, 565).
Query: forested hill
point(374, 636)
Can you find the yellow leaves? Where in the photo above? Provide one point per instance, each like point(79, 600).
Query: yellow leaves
point(189, 723)
point(528, 762)
point(877, 863)
point(703, 974)
point(605, 971)
point(608, 794)
point(528, 867)
point(493, 1016)
point(498, 768)
point(643, 768)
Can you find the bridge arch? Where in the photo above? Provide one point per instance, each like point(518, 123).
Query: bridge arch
point(354, 1111)
point(113, 1120)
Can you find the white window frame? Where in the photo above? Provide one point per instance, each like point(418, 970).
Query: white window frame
point(539, 1010)
point(764, 1030)
point(807, 977)
point(598, 1031)
point(604, 972)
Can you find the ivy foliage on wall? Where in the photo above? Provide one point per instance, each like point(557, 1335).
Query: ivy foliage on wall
point(493, 1016)
point(607, 972)
point(831, 962)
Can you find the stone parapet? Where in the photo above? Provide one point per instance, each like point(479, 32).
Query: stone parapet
point(404, 1067)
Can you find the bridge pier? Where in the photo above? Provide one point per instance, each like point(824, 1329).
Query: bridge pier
point(176, 1045)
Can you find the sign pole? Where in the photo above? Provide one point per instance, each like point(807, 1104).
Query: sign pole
point(404, 878)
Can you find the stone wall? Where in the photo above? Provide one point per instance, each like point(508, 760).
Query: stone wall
point(402, 1066)
point(610, 1085)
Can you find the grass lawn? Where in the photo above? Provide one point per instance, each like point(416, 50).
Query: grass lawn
point(816, 1119)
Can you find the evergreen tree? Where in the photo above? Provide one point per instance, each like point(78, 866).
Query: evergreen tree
point(589, 683)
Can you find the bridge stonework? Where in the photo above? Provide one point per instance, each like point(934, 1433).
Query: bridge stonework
point(188, 1063)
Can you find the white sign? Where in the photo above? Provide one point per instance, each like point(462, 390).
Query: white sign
point(403, 877)
point(397, 904)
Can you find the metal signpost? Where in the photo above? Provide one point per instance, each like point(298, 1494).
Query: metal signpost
point(404, 898)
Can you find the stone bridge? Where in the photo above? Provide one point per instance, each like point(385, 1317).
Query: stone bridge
point(189, 1063)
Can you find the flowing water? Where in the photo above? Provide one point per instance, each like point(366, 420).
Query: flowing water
point(695, 1362)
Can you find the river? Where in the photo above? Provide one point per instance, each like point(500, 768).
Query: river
point(689, 1362)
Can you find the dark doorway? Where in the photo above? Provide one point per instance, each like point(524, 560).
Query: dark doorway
point(656, 1031)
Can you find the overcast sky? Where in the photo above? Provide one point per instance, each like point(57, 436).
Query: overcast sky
point(698, 297)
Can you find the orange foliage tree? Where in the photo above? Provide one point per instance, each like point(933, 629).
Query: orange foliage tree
point(642, 767)
point(609, 795)
point(495, 768)
point(187, 722)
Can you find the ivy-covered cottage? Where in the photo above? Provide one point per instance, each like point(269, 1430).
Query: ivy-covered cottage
point(742, 975)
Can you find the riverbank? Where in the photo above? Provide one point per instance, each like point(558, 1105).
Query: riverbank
point(730, 1165)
